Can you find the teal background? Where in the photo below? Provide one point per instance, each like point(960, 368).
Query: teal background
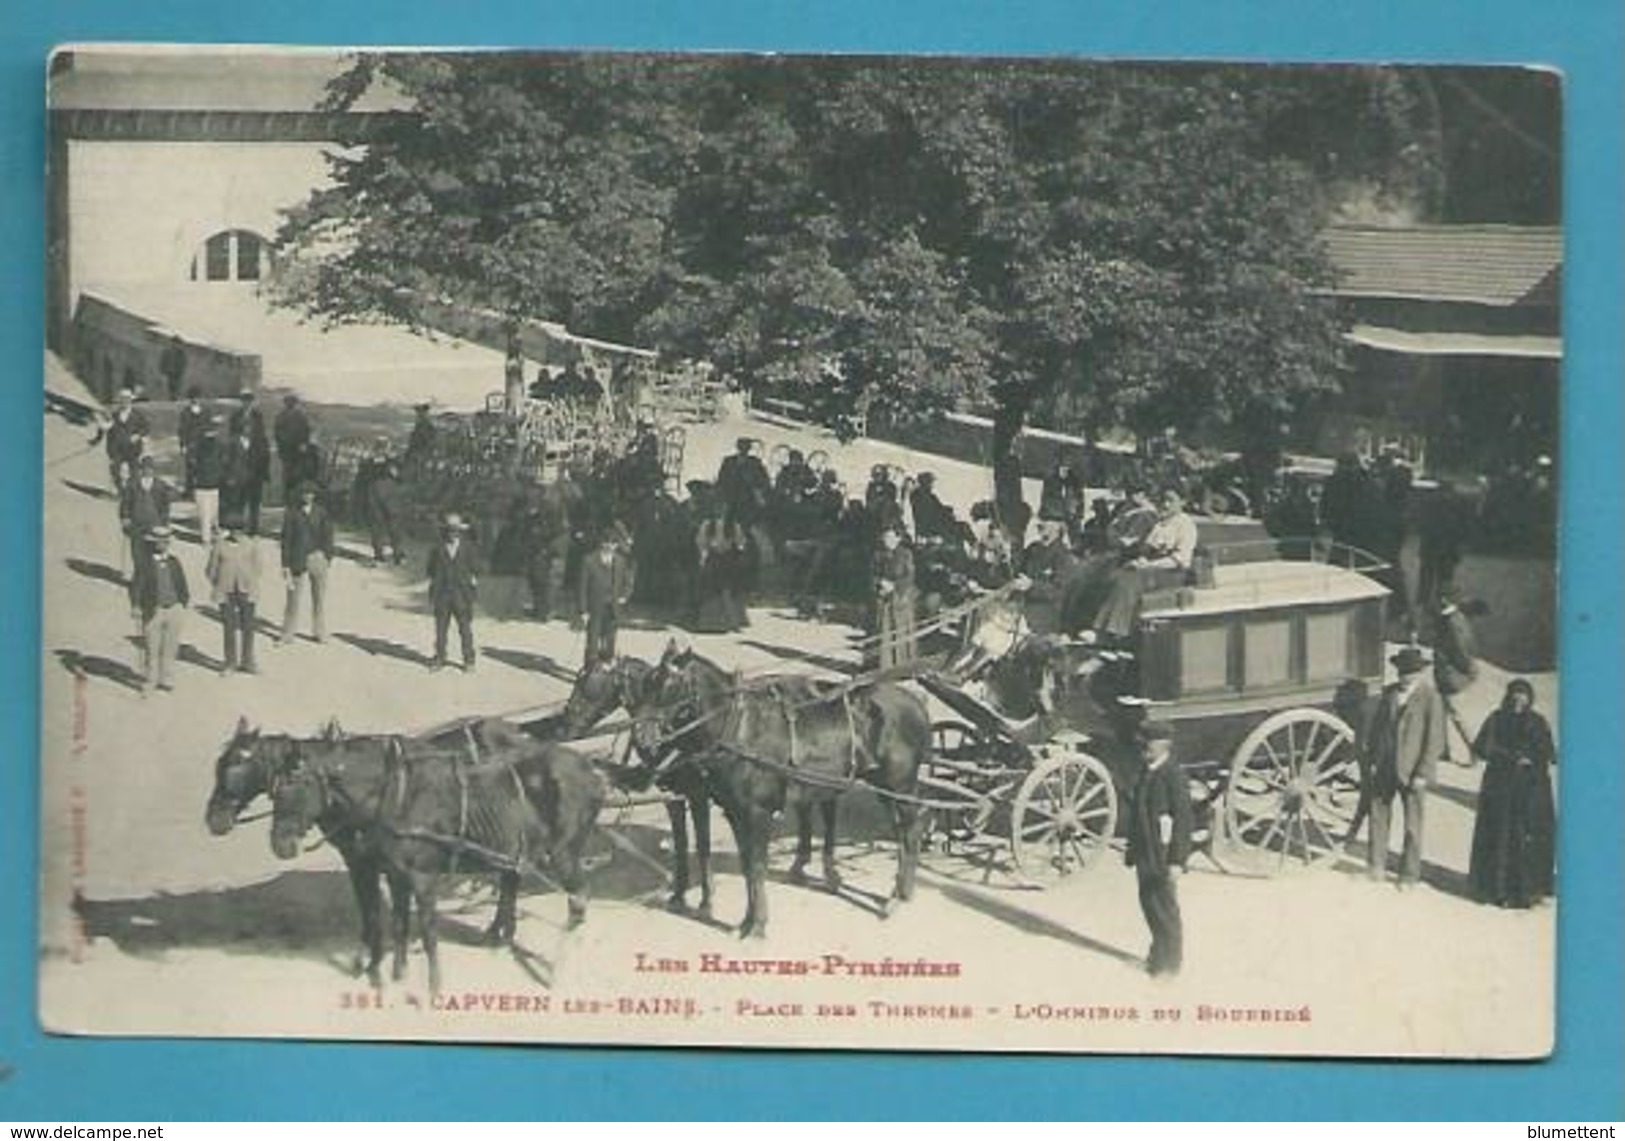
point(60, 1079)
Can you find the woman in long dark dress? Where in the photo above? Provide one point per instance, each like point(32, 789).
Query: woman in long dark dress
point(721, 543)
point(1513, 837)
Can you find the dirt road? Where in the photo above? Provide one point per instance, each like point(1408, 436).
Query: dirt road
point(179, 932)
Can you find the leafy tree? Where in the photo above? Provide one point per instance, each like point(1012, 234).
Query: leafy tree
point(1094, 245)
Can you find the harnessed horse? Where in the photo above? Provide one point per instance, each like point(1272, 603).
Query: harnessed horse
point(788, 742)
point(600, 690)
point(243, 773)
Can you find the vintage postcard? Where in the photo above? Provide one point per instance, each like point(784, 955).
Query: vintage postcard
point(892, 553)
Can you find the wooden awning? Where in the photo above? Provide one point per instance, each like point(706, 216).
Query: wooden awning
point(1458, 344)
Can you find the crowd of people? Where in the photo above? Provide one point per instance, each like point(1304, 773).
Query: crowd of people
point(611, 531)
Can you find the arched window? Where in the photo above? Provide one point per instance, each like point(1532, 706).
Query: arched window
point(232, 255)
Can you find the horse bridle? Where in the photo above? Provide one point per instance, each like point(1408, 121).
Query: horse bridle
point(249, 756)
point(295, 769)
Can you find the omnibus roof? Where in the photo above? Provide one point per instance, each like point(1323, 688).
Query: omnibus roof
point(1265, 585)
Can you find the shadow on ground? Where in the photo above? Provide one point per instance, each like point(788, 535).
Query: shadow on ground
point(312, 914)
point(530, 662)
point(383, 647)
point(93, 665)
point(97, 572)
point(1030, 924)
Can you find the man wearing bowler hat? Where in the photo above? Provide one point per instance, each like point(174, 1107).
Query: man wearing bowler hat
point(307, 555)
point(1406, 741)
point(248, 462)
point(159, 596)
point(144, 504)
point(233, 571)
point(126, 438)
point(1159, 844)
point(452, 588)
point(208, 474)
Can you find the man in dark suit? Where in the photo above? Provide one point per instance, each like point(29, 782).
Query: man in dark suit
point(743, 485)
point(606, 584)
point(292, 431)
point(933, 519)
point(248, 460)
point(126, 439)
point(245, 468)
point(159, 596)
point(307, 554)
point(453, 585)
point(377, 489)
point(1406, 740)
point(1159, 844)
point(144, 504)
point(208, 476)
point(194, 422)
point(420, 444)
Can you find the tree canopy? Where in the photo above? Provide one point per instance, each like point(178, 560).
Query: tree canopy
point(1096, 244)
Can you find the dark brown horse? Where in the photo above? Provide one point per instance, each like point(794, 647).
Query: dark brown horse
point(598, 692)
point(243, 773)
point(788, 742)
point(429, 811)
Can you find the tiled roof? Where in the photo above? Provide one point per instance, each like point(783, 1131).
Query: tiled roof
point(1482, 264)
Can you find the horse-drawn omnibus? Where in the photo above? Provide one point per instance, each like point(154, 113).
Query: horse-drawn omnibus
point(1264, 674)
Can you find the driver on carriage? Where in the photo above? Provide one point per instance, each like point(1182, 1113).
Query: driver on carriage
point(1165, 557)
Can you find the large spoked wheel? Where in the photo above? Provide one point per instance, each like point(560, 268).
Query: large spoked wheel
point(1063, 817)
point(1294, 788)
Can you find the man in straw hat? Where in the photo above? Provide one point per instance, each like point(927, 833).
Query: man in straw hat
point(159, 596)
point(1159, 844)
point(1406, 740)
point(453, 586)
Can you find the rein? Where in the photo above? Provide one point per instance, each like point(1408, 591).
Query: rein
point(792, 772)
point(395, 780)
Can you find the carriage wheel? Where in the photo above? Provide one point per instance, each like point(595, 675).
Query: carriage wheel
point(1063, 817)
point(1294, 787)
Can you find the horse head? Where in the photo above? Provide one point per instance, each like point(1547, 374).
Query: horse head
point(298, 799)
point(239, 777)
point(602, 687)
point(677, 654)
point(671, 699)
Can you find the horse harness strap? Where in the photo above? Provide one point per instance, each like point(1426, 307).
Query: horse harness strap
point(851, 735)
point(460, 775)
